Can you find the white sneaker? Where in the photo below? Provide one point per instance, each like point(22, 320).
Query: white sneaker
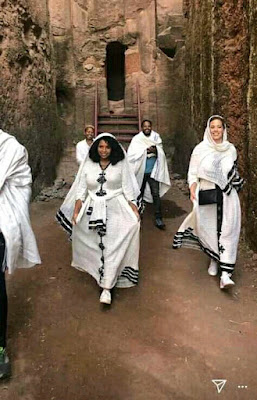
point(213, 268)
point(225, 281)
point(106, 297)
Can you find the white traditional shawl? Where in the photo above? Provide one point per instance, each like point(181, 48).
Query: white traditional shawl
point(213, 164)
point(15, 191)
point(65, 213)
point(82, 149)
point(137, 154)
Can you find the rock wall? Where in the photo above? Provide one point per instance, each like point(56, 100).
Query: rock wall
point(27, 84)
point(82, 30)
point(252, 127)
point(221, 78)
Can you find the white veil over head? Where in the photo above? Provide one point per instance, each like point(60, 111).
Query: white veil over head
point(225, 145)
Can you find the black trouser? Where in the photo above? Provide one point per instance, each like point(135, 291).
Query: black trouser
point(154, 187)
point(3, 295)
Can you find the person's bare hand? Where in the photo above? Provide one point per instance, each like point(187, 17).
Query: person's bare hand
point(77, 208)
point(192, 192)
point(151, 149)
point(74, 218)
point(135, 209)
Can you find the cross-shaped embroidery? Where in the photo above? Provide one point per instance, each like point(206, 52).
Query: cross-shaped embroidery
point(221, 248)
point(101, 180)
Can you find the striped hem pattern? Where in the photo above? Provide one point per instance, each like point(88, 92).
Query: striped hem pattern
point(189, 240)
point(64, 222)
point(131, 274)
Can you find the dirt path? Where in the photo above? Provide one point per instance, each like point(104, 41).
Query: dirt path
point(163, 340)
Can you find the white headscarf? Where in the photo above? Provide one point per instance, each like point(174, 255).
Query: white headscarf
point(225, 145)
point(214, 162)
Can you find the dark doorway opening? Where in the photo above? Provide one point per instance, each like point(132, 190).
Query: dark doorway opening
point(115, 70)
point(170, 52)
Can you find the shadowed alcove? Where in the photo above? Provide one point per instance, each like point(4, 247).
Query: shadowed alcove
point(115, 70)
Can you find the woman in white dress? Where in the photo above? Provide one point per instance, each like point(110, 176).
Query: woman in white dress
point(105, 219)
point(214, 224)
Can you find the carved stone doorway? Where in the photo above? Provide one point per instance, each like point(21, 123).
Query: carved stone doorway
point(115, 76)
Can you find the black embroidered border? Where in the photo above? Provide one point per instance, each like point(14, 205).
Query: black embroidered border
point(64, 222)
point(131, 274)
point(140, 204)
point(99, 225)
point(234, 180)
point(188, 239)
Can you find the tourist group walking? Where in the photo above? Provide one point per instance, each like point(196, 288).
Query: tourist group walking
point(102, 210)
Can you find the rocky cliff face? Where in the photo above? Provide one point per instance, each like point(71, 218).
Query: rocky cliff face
point(27, 84)
point(221, 79)
point(252, 126)
point(54, 51)
point(152, 35)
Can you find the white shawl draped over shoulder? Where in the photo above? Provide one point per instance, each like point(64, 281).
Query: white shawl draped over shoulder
point(213, 164)
point(65, 213)
point(82, 149)
point(137, 154)
point(15, 192)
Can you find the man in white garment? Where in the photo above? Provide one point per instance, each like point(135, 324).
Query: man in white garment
point(148, 160)
point(18, 248)
point(83, 146)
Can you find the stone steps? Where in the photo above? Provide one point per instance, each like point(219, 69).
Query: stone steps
point(116, 116)
point(122, 126)
point(118, 122)
point(115, 132)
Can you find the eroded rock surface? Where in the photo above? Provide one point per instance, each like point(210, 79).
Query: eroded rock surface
point(27, 89)
point(221, 48)
point(153, 35)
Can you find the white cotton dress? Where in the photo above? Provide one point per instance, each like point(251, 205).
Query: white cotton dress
point(112, 257)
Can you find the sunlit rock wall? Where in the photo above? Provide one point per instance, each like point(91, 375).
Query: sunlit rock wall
point(27, 85)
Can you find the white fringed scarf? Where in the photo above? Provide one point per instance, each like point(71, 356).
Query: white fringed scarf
point(221, 156)
point(137, 154)
point(15, 191)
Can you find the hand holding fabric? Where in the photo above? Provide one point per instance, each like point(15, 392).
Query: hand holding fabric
point(77, 208)
point(135, 209)
point(192, 192)
point(151, 149)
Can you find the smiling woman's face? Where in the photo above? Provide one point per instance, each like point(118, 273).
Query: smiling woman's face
point(216, 129)
point(104, 150)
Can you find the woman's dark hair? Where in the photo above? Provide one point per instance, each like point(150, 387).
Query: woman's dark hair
point(219, 118)
point(146, 120)
point(116, 155)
